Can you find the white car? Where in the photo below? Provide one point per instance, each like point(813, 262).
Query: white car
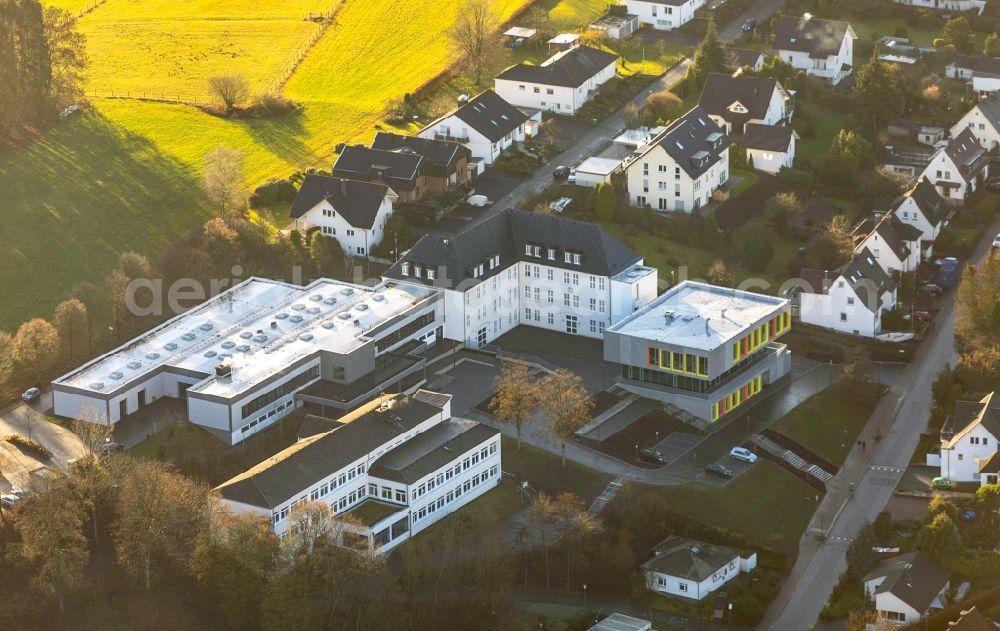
point(31, 394)
point(743, 455)
point(8, 501)
point(996, 241)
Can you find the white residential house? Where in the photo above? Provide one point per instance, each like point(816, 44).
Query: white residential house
point(895, 245)
point(747, 58)
point(736, 101)
point(983, 120)
point(822, 48)
point(561, 84)
point(664, 15)
point(952, 6)
point(907, 588)
point(526, 268)
point(350, 211)
point(487, 125)
point(692, 569)
point(958, 169)
point(396, 465)
point(969, 442)
point(981, 73)
point(923, 208)
point(849, 300)
point(682, 167)
point(769, 148)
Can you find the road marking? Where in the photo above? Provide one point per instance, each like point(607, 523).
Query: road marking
point(886, 468)
point(842, 539)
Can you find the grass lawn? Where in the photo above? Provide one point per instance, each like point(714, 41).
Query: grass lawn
point(827, 122)
point(828, 423)
point(766, 505)
point(544, 472)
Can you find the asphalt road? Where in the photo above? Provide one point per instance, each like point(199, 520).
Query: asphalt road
point(762, 10)
point(901, 416)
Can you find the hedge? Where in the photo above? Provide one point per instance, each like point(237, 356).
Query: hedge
point(30, 445)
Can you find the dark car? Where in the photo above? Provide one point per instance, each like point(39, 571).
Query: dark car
point(652, 455)
point(948, 273)
point(112, 448)
point(561, 173)
point(719, 470)
point(750, 25)
point(931, 290)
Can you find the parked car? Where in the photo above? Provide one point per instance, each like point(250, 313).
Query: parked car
point(478, 200)
point(8, 501)
point(931, 290)
point(743, 455)
point(559, 205)
point(996, 241)
point(31, 394)
point(516, 42)
point(561, 172)
point(922, 310)
point(652, 455)
point(112, 448)
point(571, 178)
point(719, 470)
point(942, 483)
point(750, 25)
point(948, 273)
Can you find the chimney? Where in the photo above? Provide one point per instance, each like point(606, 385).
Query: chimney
point(343, 186)
point(707, 330)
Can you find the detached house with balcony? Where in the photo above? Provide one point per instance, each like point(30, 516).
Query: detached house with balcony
point(958, 169)
point(983, 120)
point(969, 442)
point(351, 211)
point(682, 167)
point(395, 466)
point(664, 15)
point(560, 84)
point(922, 208)
point(702, 349)
point(487, 125)
point(851, 299)
point(736, 101)
point(907, 588)
point(895, 245)
point(822, 48)
point(526, 268)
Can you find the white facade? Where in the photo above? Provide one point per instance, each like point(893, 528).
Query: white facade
point(982, 128)
point(887, 258)
point(663, 583)
point(956, 6)
point(890, 607)
point(455, 129)
point(354, 240)
point(842, 309)
point(661, 16)
point(595, 171)
point(948, 179)
point(960, 462)
point(658, 180)
point(773, 161)
point(776, 113)
point(910, 212)
point(550, 97)
point(833, 68)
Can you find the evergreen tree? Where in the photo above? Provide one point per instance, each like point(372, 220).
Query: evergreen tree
point(25, 66)
point(605, 202)
point(876, 96)
point(711, 56)
point(991, 48)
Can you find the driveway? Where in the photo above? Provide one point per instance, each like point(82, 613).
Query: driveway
point(17, 465)
point(900, 417)
point(762, 10)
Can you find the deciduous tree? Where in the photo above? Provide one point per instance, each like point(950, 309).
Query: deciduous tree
point(939, 538)
point(224, 181)
point(565, 402)
point(958, 33)
point(229, 89)
point(7, 360)
point(876, 97)
point(67, 55)
point(515, 396)
point(35, 348)
point(70, 320)
point(476, 37)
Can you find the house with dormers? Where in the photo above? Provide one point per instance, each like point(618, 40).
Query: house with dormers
point(822, 48)
point(851, 299)
point(958, 169)
point(907, 588)
point(521, 268)
point(486, 125)
point(983, 120)
point(736, 101)
point(351, 211)
point(682, 167)
point(562, 83)
point(446, 163)
point(969, 440)
point(895, 245)
point(404, 172)
point(923, 208)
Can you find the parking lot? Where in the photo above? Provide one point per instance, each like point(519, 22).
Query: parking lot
point(738, 467)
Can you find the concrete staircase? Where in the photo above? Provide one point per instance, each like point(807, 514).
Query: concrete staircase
point(791, 458)
point(608, 494)
point(606, 414)
point(686, 417)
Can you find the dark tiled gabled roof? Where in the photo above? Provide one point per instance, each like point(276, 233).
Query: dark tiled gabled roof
point(687, 138)
point(971, 619)
point(689, 559)
point(914, 578)
point(441, 153)
point(431, 450)
point(722, 90)
point(745, 57)
point(292, 471)
point(505, 235)
point(767, 137)
point(357, 202)
point(819, 38)
point(864, 273)
point(569, 68)
point(894, 233)
point(990, 109)
point(398, 169)
point(927, 199)
point(490, 115)
point(989, 66)
point(967, 154)
point(971, 414)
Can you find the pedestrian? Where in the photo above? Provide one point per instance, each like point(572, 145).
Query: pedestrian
point(864, 445)
point(858, 442)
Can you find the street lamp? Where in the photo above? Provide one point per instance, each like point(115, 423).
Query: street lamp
point(637, 451)
point(584, 595)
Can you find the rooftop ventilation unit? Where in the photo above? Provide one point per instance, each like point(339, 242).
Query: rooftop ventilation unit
point(316, 297)
point(328, 325)
point(346, 315)
point(206, 327)
point(296, 318)
point(668, 316)
point(332, 300)
point(134, 365)
point(225, 355)
point(347, 291)
point(170, 346)
point(274, 324)
point(188, 337)
point(116, 376)
point(97, 385)
point(210, 354)
point(379, 298)
point(298, 306)
point(362, 307)
point(260, 338)
point(246, 335)
point(152, 355)
point(281, 316)
point(243, 348)
point(687, 318)
point(306, 337)
point(228, 344)
point(313, 310)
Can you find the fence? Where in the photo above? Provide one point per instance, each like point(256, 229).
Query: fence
point(326, 20)
point(90, 7)
point(153, 97)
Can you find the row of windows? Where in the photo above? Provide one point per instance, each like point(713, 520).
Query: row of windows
point(404, 332)
point(736, 398)
point(453, 495)
point(262, 420)
point(570, 258)
point(405, 269)
point(686, 363)
point(387, 493)
point(466, 464)
point(327, 488)
point(761, 335)
point(284, 389)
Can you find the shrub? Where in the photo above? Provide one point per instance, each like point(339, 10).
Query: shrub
point(30, 445)
point(270, 104)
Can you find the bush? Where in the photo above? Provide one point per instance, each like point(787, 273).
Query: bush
point(270, 104)
point(30, 445)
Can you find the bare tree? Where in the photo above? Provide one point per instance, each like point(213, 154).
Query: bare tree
point(476, 36)
point(224, 181)
point(564, 400)
point(230, 89)
point(516, 395)
point(6, 356)
point(308, 522)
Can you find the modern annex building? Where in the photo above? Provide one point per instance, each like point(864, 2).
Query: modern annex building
point(702, 348)
point(394, 466)
point(249, 356)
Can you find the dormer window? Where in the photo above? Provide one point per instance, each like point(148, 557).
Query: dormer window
point(576, 259)
point(527, 250)
point(567, 257)
point(737, 108)
point(431, 274)
point(538, 251)
point(479, 270)
point(404, 269)
point(417, 271)
point(552, 254)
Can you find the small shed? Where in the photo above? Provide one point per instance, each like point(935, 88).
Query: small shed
point(617, 26)
point(563, 41)
point(596, 170)
point(520, 32)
